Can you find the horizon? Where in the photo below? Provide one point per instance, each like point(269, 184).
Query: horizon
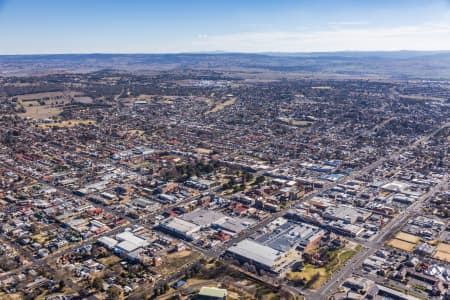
point(174, 27)
point(220, 52)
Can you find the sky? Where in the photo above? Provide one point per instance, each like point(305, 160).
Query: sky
point(172, 26)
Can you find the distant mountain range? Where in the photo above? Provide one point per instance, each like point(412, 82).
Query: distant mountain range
point(397, 64)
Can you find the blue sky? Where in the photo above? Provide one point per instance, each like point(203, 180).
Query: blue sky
point(152, 26)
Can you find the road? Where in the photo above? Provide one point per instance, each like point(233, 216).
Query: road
point(322, 293)
point(393, 226)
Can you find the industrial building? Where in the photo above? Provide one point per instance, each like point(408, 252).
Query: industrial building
point(180, 227)
point(261, 256)
point(292, 235)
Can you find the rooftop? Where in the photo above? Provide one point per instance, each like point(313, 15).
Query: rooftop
point(256, 252)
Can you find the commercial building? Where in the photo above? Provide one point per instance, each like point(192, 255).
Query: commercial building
point(292, 235)
point(261, 256)
point(346, 214)
point(180, 227)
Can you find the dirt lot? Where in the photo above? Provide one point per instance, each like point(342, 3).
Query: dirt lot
point(203, 151)
point(407, 237)
point(443, 247)
point(442, 256)
point(295, 122)
point(443, 252)
point(399, 244)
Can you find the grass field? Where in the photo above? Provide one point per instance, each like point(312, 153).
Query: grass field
point(207, 101)
point(44, 105)
point(338, 259)
point(110, 260)
point(222, 105)
point(40, 112)
point(307, 273)
point(68, 123)
point(177, 260)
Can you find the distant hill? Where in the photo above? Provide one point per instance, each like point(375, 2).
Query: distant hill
point(397, 64)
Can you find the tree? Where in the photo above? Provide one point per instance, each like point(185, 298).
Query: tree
point(114, 293)
point(313, 279)
point(97, 283)
point(62, 285)
point(259, 179)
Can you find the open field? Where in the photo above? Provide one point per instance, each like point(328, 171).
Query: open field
point(337, 259)
point(324, 87)
point(222, 105)
point(207, 101)
point(203, 151)
point(136, 132)
point(295, 122)
point(44, 105)
point(422, 97)
point(443, 247)
point(407, 237)
point(399, 244)
point(442, 256)
point(40, 112)
point(177, 260)
point(443, 252)
point(307, 274)
point(68, 123)
point(110, 260)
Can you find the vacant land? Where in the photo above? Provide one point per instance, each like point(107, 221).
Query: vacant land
point(422, 97)
point(404, 241)
point(222, 105)
point(307, 275)
point(324, 87)
point(295, 122)
point(207, 101)
point(203, 151)
point(313, 277)
point(43, 105)
point(178, 260)
point(443, 252)
point(68, 123)
point(407, 237)
point(399, 244)
point(110, 260)
point(40, 112)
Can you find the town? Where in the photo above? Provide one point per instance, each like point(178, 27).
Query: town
point(210, 184)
